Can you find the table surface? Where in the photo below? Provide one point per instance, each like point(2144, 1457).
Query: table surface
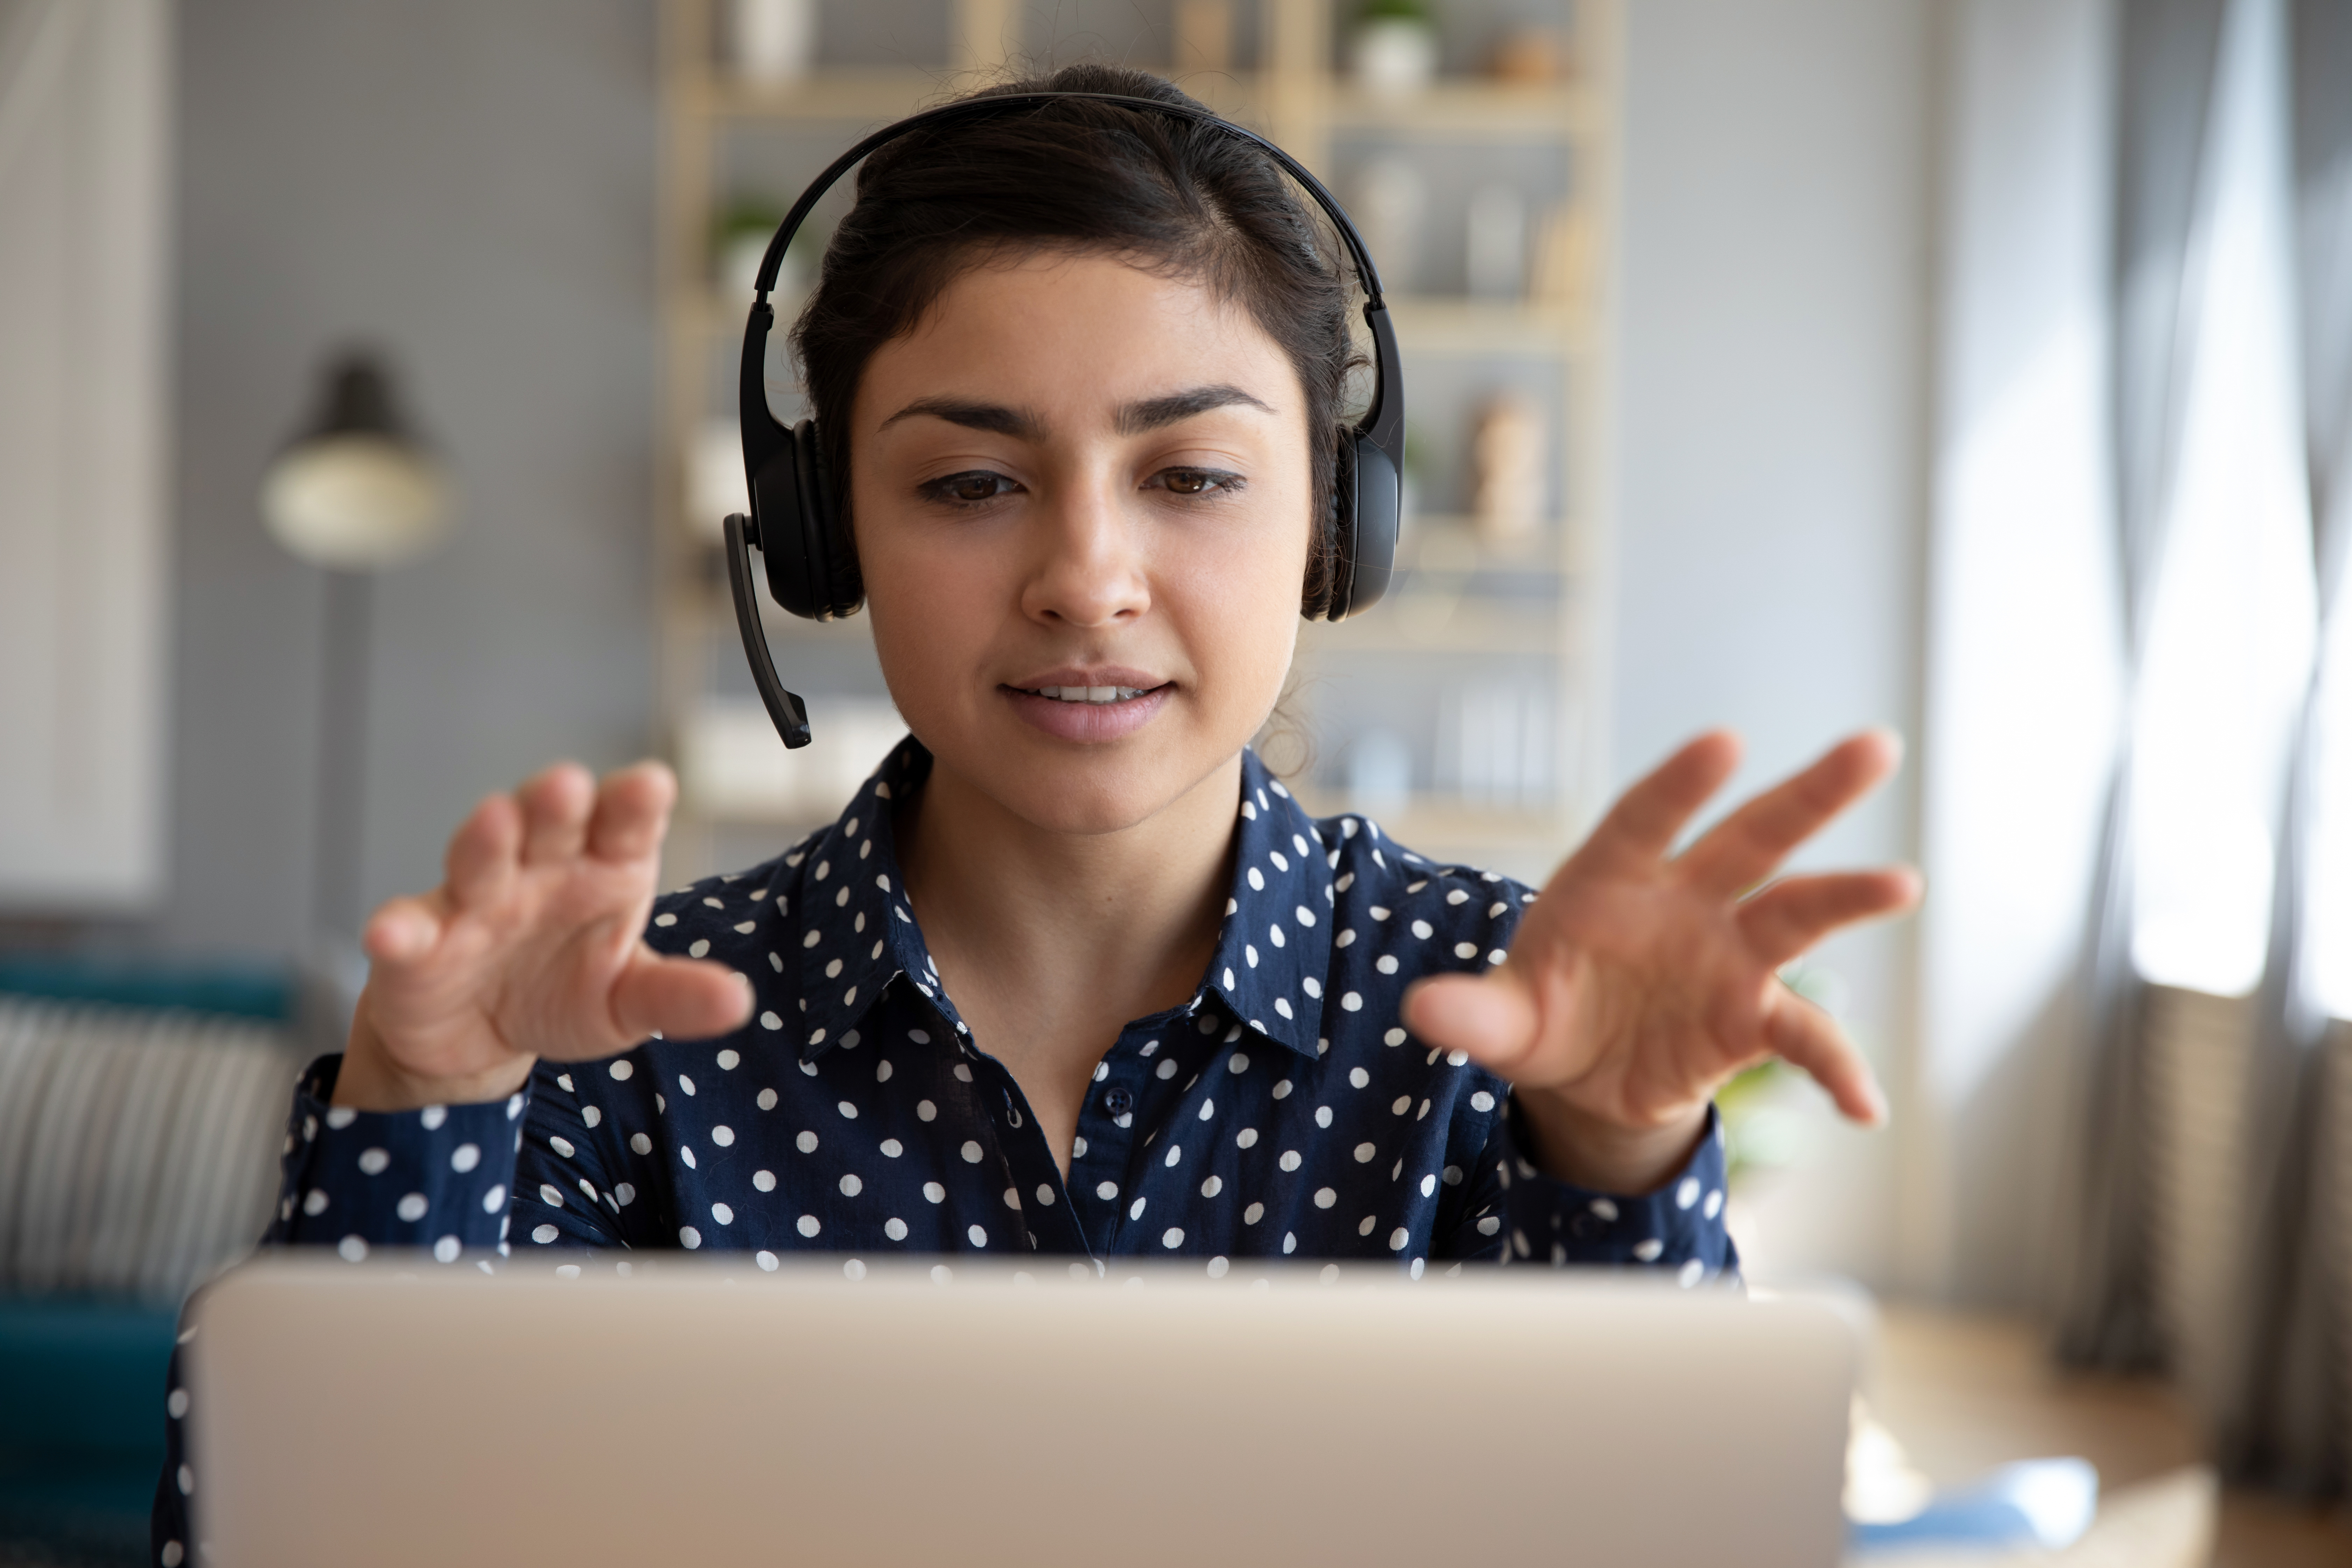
point(1964, 1394)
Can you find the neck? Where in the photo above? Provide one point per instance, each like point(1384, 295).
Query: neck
point(1049, 943)
point(1002, 893)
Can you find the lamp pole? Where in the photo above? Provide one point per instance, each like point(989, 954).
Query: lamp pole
point(340, 815)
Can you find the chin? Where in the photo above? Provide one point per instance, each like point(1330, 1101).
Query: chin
point(1061, 787)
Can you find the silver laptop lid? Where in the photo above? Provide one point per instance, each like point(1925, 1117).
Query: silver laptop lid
point(401, 1412)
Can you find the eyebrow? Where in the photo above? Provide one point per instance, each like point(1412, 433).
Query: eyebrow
point(1023, 425)
point(1154, 412)
point(997, 418)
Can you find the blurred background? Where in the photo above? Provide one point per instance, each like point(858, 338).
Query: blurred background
point(1978, 368)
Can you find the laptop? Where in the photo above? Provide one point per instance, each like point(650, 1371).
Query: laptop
point(837, 1412)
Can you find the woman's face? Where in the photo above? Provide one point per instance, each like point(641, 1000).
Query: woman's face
point(1077, 481)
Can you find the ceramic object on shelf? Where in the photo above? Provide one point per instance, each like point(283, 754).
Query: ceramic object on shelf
point(1395, 56)
point(1506, 457)
point(772, 43)
point(1531, 57)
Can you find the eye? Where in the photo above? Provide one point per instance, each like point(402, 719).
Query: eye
point(1195, 481)
point(972, 489)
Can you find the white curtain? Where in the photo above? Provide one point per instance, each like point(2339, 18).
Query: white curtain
point(2228, 866)
point(84, 454)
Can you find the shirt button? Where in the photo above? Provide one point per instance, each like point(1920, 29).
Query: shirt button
point(1117, 1101)
point(1584, 1226)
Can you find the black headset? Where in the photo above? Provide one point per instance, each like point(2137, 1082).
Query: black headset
point(797, 521)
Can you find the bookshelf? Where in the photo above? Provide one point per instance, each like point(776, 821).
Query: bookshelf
point(1467, 712)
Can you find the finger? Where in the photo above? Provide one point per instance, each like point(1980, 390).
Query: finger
point(481, 854)
point(555, 805)
point(1492, 1016)
point(1742, 850)
point(1789, 917)
point(1805, 1037)
point(683, 998)
point(402, 931)
point(1642, 827)
point(632, 811)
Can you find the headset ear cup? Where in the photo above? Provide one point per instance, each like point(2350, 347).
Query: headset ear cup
point(776, 510)
point(846, 584)
point(813, 533)
point(1375, 517)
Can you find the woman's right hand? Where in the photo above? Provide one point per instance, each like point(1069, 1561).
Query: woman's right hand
point(530, 947)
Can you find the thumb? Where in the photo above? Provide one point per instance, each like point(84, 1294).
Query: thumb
point(1491, 1018)
point(683, 998)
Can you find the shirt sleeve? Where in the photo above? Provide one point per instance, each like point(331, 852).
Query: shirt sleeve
point(567, 1194)
point(437, 1178)
point(1516, 1214)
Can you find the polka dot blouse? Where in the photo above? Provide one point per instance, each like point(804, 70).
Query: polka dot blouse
point(1285, 1111)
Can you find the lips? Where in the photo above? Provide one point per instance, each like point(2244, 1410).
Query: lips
point(1089, 704)
point(1095, 694)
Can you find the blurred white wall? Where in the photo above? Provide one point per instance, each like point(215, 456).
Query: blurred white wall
point(472, 187)
point(1770, 466)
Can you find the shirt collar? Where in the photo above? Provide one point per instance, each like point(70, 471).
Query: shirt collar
point(1274, 947)
point(858, 935)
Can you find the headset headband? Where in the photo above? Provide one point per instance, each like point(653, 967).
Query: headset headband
point(1384, 422)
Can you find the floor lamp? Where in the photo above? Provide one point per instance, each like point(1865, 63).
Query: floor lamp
point(357, 491)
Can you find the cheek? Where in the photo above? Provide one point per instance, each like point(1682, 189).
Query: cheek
point(934, 614)
point(1238, 607)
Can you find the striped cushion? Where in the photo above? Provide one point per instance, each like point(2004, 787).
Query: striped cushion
point(138, 1148)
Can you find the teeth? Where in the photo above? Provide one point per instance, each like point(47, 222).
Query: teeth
point(1090, 693)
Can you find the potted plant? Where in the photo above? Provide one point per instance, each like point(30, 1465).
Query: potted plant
point(1395, 46)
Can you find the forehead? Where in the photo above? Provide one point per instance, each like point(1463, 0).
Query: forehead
point(1072, 330)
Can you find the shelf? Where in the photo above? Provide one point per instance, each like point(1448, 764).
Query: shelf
point(1441, 325)
point(1424, 624)
point(1457, 108)
point(1440, 545)
point(1468, 108)
point(835, 93)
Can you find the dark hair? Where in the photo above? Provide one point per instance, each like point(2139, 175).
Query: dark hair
point(1164, 192)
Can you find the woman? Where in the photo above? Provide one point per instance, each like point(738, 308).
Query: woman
point(1072, 973)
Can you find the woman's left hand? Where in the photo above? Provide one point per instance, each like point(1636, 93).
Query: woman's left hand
point(1642, 980)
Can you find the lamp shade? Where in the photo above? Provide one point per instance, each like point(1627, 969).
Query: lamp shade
point(358, 492)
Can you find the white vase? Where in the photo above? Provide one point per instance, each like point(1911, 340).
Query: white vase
point(774, 41)
point(1395, 56)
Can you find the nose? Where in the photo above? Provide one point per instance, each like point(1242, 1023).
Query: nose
point(1088, 567)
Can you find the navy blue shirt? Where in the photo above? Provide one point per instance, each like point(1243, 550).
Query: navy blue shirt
point(1285, 1110)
